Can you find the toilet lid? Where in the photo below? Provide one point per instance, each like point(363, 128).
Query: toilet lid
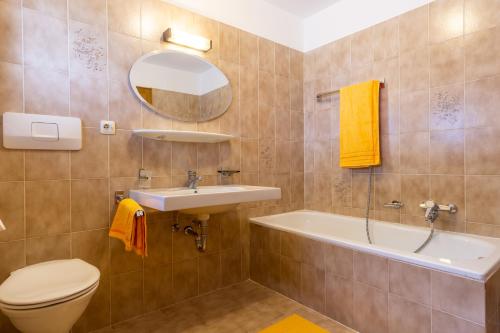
point(47, 282)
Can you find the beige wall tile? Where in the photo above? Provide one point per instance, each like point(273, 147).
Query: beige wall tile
point(458, 296)
point(231, 266)
point(414, 111)
point(11, 31)
point(481, 99)
point(282, 61)
point(386, 39)
point(45, 41)
point(47, 207)
point(124, 109)
point(387, 189)
point(450, 189)
point(249, 44)
point(415, 155)
point(482, 195)
point(122, 261)
point(410, 282)
point(447, 152)
point(123, 52)
point(93, 247)
point(89, 204)
point(11, 87)
point(12, 166)
point(229, 43)
point(406, 316)
point(88, 11)
point(339, 299)
point(46, 248)
point(47, 165)
point(414, 29)
point(125, 154)
point(443, 322)
point(46, 91)
point(290, 278)
point(185, 279)
point(481, 49)
point(15, 257)
point(481, 157)
point(158, 291)
point(155, 19)
point(371, 308)
point(371, 270)
point(414, 190)
point(92, 160)
point(447, 107)
point(447, 62)
point(56, 8)
point(126, 296)
point(312, 289)
point(124, 18)
point(414, 70)
point(481, 14)
point(362, 48)
point(12, 210)
point(441, 29)
point(209, 269)
point(266, 55)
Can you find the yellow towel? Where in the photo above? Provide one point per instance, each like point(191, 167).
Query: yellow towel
point(294, 324)
point(130, 228)
point(359, 125)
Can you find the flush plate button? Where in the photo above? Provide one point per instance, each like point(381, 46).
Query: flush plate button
point(44, 131)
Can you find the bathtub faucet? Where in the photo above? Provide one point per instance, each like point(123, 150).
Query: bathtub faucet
point(432, 210)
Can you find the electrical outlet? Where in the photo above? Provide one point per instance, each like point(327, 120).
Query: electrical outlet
point(108, 127)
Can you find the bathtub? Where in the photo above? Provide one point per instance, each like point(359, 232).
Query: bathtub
point(465, 255)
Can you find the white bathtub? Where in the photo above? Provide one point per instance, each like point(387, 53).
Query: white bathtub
point(466, 255)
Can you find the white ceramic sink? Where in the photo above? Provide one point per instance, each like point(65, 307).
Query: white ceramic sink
point(203, 200)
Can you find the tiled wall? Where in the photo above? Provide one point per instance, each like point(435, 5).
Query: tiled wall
point(72, 58)
point(369, 293)
point(439, 122)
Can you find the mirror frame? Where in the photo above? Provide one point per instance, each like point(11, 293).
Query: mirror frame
point(151, 107)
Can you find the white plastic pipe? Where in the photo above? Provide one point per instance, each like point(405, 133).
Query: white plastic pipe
point(2, 226)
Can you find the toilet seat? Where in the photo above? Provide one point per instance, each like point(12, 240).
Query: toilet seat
point(48, 283)
point(91, 289)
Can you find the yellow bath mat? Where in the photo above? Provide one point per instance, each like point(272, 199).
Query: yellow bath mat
point(294, 324)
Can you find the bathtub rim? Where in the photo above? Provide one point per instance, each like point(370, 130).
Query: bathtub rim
point(481, 273)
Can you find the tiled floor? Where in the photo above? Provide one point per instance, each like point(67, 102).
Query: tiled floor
point(245, 307)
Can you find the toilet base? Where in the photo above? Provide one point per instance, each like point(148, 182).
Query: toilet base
point(58, 318)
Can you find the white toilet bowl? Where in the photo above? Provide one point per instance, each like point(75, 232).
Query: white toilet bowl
point(48, 297)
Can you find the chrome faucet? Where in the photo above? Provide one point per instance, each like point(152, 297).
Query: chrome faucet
point(432, 210)
point(193, 179)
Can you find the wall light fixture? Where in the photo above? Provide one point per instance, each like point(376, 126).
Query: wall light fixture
point(182, 38)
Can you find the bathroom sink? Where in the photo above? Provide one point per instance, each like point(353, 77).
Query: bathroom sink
point(204, 199)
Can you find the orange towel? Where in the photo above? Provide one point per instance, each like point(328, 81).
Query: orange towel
point(130, 228)
point(359, 125)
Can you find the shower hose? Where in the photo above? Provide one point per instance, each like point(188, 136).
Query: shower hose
point(370, 185)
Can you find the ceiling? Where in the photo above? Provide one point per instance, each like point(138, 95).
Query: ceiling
point(302, 8)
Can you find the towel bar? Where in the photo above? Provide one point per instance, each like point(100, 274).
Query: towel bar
point(120, 195)
point(328, 93)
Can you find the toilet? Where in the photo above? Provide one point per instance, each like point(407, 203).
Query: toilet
point(48, 297)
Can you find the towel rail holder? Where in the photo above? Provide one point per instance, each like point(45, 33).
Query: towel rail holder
point(120, 195)
point(332, 92)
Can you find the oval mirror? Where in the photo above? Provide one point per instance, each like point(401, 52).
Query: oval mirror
point(181, 86)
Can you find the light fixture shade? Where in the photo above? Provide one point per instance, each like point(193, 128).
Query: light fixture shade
point(182, 38)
